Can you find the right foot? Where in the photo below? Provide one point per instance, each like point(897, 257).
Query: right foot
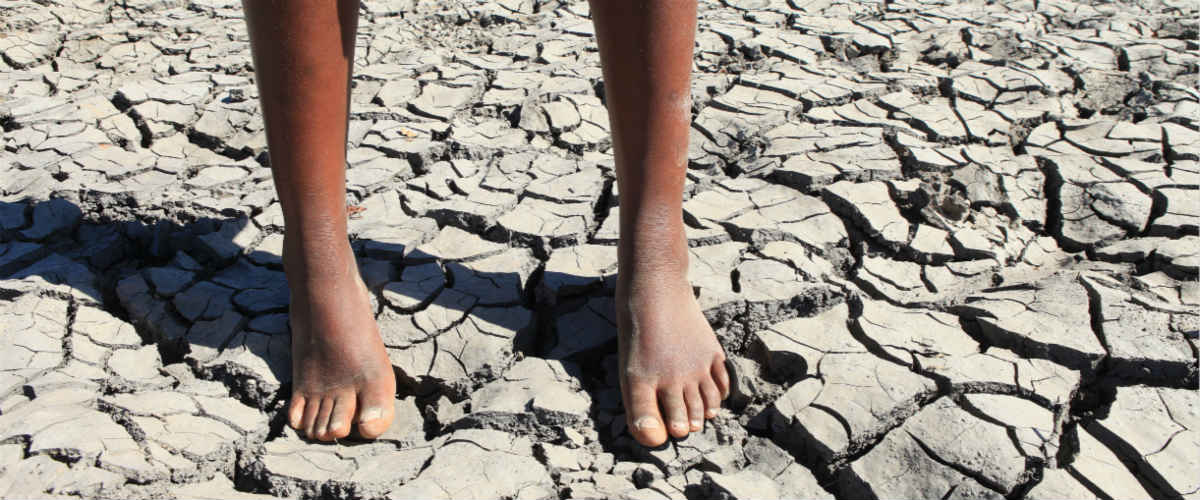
point(341, 375)
point(672, 366)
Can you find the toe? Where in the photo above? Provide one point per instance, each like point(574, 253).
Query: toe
point(374, 420)
point(296, 412)
point(675, 409)
point(642, 417)
point(695, 408)
point(711, 396)
point(322, 421)
point(339, 419)
point(376, 407)
point(721, 376)
point(311, 407)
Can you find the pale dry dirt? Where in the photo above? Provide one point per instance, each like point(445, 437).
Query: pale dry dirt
point(950, 247)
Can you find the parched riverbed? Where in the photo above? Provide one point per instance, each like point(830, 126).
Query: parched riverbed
point(950, 248)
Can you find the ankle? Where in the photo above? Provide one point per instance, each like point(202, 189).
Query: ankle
point(317, 260)
point(651, 272)
point(653, 254)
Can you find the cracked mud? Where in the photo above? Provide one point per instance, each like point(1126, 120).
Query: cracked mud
point(950, 247)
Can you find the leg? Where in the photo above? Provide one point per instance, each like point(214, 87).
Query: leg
point(669, 357)
point(303, 55)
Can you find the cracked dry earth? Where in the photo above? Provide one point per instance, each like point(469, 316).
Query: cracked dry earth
point(950, 247)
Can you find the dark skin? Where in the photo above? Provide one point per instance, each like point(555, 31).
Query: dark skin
point(672, 368)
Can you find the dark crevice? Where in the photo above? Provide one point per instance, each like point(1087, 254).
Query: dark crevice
point(1052, 190)
point(1087, 483)
point(1150, 479)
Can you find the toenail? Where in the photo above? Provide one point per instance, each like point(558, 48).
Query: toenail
point(335, 426)
point(697, 423)
point(679, 426)
point(711, 413)
point(370, 414)
point(645, 423)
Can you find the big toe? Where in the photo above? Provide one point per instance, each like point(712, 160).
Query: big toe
point(644, 421)
point(375, 412)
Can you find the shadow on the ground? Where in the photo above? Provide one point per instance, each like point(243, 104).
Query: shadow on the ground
point(178, 282)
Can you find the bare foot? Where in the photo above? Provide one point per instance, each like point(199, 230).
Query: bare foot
point(341, 375)
point(670, 358)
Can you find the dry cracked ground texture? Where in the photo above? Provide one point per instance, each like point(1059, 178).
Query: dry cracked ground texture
point(950, 247)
